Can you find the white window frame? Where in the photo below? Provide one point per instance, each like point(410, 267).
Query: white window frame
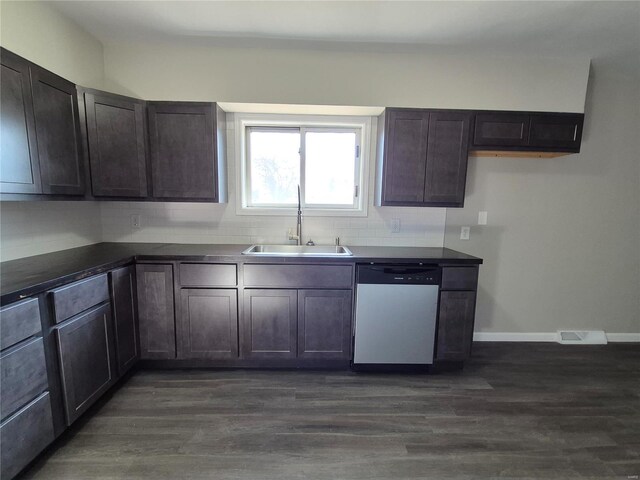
point(305, 123)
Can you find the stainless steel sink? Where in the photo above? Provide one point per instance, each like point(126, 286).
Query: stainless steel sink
point(299, 250)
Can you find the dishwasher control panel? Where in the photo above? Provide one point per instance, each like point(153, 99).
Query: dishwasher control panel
point(399, 274)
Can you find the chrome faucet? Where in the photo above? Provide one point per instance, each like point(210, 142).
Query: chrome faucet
point(299, 224)
point(298, 236)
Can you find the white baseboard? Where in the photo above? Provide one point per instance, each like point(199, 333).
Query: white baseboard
point(543, 337)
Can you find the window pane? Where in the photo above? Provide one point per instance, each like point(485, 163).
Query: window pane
point(330, 167)
point(274, 166)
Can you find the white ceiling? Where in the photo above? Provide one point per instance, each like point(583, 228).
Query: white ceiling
point(606, 31)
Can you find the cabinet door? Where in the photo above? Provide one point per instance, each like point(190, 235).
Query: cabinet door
point(324, 324)
point(123, 301)
point(447, 156)
point(19, 167)
point(455, 325)
point(270, 323)
point(501, 129)
point(156, 311)
point(561, 131)
point(85, 353)
point(405, 157)
point(182, 148)
point(209, 323)
point(117, 145)
point(55, 103)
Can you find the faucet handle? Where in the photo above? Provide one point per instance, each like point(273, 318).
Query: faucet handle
point(337, 241)
point(310, 243)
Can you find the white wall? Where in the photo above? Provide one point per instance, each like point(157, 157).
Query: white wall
point(39, 33)
point(562, 247)
point(194, 71)
point(32, 228)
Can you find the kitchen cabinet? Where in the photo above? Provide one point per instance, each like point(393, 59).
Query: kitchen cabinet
point(25, 405)
point(270, 323)
point(456, 313)
point(186, 143)
point(19, 165)
point(122, 286)
point(55, 105)
point(529, 132)
point(324, 324)
point(297, 311)
point(156, 311)
point(501, 129)
point(24, 435)
point(405, 156)
point(556, 131)
point(85, 354)
point(447, 156)
point(422, 157)
point(209, 323)
point(116, 137)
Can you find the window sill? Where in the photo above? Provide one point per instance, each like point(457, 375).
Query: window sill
point(292, 212)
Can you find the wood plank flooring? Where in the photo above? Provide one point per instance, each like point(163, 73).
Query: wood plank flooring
point(522, 411)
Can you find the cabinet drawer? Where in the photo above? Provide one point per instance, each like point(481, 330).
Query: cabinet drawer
point(79, 296)
point(19, 321)
point(298, 276)
point(207, 275)
point(459, 278)
point(23, 375)
point(25, 434)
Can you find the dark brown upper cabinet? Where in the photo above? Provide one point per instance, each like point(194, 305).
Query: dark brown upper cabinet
point(19, 167)
point(422, 157)
point(116, 139)
point(526, 134)
point(186, 144)
point(55, 104)
point(501, 129)
point(447, 156)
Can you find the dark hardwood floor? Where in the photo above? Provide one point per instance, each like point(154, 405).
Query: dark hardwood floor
point(534, 411)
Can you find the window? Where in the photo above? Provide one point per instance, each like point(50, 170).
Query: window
point(322, 155)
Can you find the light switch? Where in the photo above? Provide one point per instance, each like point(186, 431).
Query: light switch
point(395, 225)
point(464, 233)
point(482, 218)
point(135, 220)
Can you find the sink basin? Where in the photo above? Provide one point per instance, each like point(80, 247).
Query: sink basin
point(299, 250)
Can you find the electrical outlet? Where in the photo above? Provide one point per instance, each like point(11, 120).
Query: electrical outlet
point(482, 218)
point(135, 220)
point(464, 233)
point(395, 225)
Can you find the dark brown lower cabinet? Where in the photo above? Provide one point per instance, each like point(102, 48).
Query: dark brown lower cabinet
point(270, 323)
point(23, 375)
point(156, 311)
point(24, 435)
point(455, 325)
point(324, 324)
point(86, 359)
point(122, 285)
point(209, 323)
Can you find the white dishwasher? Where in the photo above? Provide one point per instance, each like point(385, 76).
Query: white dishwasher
point(396, 312)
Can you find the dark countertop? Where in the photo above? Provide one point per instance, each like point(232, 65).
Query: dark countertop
point(32, 275)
